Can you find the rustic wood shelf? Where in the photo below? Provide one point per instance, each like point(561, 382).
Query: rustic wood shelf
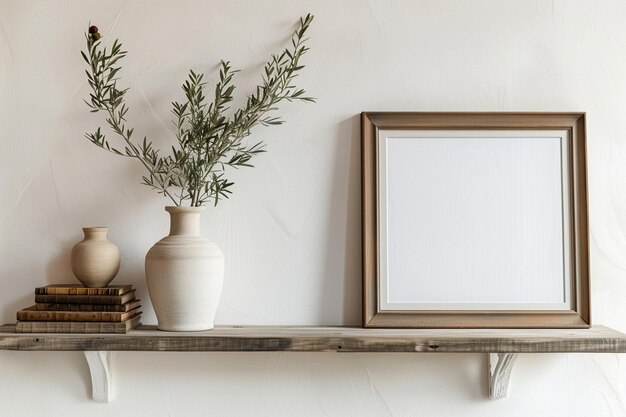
point(326, 339)
point(502, 345)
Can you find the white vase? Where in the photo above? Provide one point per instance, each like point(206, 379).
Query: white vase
point(95, 260)
point(185, 272)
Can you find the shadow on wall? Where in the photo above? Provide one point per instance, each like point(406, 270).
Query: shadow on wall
point(25, 276)
point(58, 270)
point(361, 381)
point(342, 285)
point(10, 309)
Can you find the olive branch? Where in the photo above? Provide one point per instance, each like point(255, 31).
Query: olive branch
point(208, 138)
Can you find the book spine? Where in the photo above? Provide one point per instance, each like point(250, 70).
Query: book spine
point(80, 291)
point(75, 327)
point(79, 299)
point(80, 307)
point(33, 315)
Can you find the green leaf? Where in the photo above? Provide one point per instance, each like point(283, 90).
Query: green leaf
point(209, 135)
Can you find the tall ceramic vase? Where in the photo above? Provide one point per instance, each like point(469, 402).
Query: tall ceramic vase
point(185, 272)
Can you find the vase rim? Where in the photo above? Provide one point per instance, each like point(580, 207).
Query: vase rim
point(95, 229)
point(179, 209)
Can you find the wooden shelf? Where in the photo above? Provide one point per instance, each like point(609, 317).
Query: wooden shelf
point(326, 339)
point(502, 345)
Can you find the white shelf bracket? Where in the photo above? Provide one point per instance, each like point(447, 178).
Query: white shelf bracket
point(101, 376)
point(500, 366)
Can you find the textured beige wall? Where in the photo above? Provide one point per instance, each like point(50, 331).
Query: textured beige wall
point(291, 232)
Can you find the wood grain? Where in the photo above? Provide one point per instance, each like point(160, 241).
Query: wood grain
point(500, 367)
point(326, 339)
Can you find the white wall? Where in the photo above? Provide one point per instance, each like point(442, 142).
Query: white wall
point(291, 232)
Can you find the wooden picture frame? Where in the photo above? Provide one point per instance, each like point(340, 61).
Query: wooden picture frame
point(564, 130)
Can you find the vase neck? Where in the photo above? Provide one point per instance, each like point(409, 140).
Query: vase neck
point(95, 233)
point(184, 221)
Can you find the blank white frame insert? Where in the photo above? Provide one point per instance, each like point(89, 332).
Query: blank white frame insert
point(474, 220)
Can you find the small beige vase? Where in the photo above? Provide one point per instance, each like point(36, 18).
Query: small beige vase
point(95, 260)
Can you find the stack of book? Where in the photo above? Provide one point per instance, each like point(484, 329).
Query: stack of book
point(67, 308)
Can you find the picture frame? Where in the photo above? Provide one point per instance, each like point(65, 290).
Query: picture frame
point(474, 220)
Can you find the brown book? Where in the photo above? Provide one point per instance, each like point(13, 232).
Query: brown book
point(79, 289)
point(31, 314)
point(88, 307)
point(86, 299)
point(77, 326)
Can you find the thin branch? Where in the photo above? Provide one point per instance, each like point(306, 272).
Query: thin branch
point(208, 139)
